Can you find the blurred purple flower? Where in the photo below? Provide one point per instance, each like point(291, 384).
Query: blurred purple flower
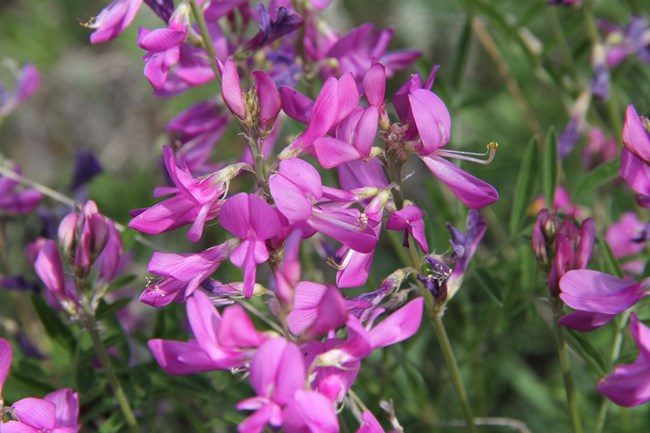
point(86, 167)
point(273, 28)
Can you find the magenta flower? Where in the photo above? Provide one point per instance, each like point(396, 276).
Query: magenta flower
point(410, 220)
point(27, 83)
point(57, 412)
point(266, 107)
point(163, 46)
point(273, 27)
point(597, 297)
point(277, 374)
point(434, 127)
point(362, 46)
point(195, 200)
point(629, 385)
point(627, 238)
point(198, 129)
point(183, 273)
point(354, 266)
point(317, 309)
point(336, 100)
point(220, 342)
point(15, 200)
point(113, 20)
point(297, 188)
point(253, 220)
point(599, 149)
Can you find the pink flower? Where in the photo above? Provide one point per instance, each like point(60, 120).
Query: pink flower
point(626, 238)
point(220, 342)
point(362, 46)
point(410, 220)
point(277, 374)
point(629, 385)
point(597, 297)
point(195, 200)
point(297, 188)
point(15, 200)
point(261, 112)
point(251, 219)
point(27, 83)
point(113, 20)
point(163, 46)
point(317, 309)
point(183, 273)
point(57, 412)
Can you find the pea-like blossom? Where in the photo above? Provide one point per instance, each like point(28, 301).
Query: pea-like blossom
point(598, 297)
point(57, 412)
point(220, 342)
point(195, 200)
point(253, 220)
point(410, 220)
point(629, 384)
point(113, 20)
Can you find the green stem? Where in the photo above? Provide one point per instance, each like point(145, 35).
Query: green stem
point(452, 365)
point(205, 35)
point(613, 357)
point(435, 314)
point(565, 366)
point(90, 324)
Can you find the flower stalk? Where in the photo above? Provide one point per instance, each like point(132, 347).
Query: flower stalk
point(565, 366)
point(205, 35)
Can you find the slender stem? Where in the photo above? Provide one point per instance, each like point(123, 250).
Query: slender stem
point(393, 168)
point(205, 34)
point(614, 354)
point(452, 365)
point(565, 366)
point(90, 324)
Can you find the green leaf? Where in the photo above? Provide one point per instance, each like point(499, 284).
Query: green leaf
point(462, 52)
point(489, 284)
point(128, 237)
point(120, 282)
point(610, 263)
point(525, 187)
point(599, 176)
point(58, 331)
point(587, 351)
point(106, 310)
point(551, 166)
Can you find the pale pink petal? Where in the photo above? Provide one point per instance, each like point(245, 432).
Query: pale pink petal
point(66, 403)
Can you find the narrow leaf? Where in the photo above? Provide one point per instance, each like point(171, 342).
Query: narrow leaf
point(610, 263)
point(599, 176)
point(525, 187)
point(551, 165)
point(587, 351)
